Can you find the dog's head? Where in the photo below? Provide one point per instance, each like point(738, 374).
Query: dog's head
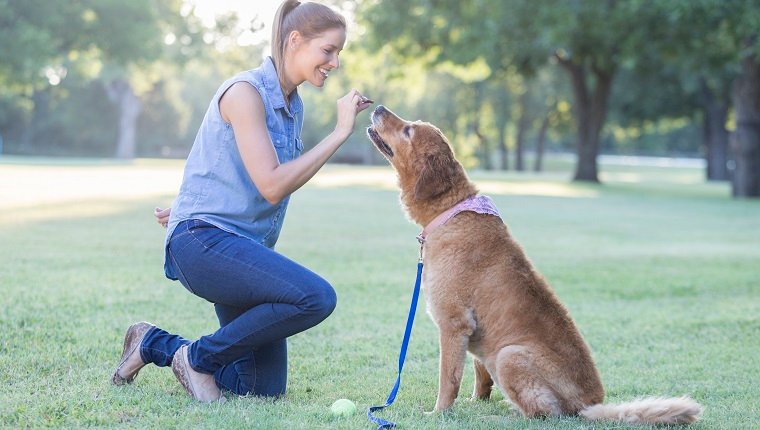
point(419, 152)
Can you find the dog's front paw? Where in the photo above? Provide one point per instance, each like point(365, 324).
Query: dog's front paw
point(438, 410)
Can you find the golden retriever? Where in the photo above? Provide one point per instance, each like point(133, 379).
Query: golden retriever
point(486, 297)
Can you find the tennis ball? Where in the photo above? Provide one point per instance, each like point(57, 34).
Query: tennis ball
point(343, 408)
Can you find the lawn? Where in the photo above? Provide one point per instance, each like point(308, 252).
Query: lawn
point(660, 270)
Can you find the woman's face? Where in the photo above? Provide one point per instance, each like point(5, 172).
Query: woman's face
point(312, 60)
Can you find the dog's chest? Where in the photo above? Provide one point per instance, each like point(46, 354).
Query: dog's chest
point(446, 303)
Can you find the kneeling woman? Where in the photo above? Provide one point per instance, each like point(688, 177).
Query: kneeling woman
point(244, 164)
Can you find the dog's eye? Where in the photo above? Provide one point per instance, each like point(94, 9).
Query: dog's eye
point(407, 131)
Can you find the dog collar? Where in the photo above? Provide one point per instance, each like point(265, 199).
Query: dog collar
point(480, 204)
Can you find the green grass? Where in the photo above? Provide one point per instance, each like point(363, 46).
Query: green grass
point(660, 271)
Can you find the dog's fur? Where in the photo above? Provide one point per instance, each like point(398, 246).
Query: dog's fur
point(486, 297)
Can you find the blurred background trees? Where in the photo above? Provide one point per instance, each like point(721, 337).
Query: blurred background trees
point(507, 80)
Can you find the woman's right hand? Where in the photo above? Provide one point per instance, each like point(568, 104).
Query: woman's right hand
point(162, 215)
point(348, 107)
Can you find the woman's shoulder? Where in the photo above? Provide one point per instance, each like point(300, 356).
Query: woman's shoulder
point(252, 76)
point(260, 76)
point(243, 91)
point(247, 85)
point(262, 79)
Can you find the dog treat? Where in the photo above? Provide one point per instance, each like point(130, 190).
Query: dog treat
point(366, 100)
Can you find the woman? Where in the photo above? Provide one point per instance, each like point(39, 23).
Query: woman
point(244, 164)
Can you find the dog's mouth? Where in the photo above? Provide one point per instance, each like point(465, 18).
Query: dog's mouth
point(379, 142)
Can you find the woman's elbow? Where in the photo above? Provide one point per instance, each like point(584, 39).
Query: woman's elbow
point(272, 196)
point(273, 200)
point(272, 188)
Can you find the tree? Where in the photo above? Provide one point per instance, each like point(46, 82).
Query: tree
point(34, 38)
point(115, 41)
point(656, 105)
point(129, 36)
point(501, 102)
point(33, 55)
point(590, 40)
point(747, 104)
point(703, 52)
point(727, 57)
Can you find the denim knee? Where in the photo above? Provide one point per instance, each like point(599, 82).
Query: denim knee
point(263, 372)
point(273, 391)
point(322, 299)
point(243, 380)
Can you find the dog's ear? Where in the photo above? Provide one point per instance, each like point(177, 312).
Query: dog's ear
point(435, 178)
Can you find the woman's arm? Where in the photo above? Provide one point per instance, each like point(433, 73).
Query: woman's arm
point(242, 107)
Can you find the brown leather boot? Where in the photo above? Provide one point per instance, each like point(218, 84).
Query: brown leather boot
point(131, 361)
point(200, 386)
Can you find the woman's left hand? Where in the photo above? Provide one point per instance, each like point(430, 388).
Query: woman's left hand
point(162, 215)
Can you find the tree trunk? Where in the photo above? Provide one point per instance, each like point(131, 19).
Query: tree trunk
point(522, 127)
point(590, 111)
point(30, 135)
point(747, 137)
point(503, 151)
point(484, 149)
point(538, 164)
point(121, 94)
point(715, 134)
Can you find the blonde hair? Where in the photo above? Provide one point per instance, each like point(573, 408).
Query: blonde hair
point(309, 19)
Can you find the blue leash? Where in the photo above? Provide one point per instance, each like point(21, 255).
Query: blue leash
point(382, 423)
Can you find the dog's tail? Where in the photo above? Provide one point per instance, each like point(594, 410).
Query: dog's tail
point(650, 410)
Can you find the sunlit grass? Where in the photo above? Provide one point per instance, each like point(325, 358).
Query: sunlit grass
point(659, 269)
point(38, 183)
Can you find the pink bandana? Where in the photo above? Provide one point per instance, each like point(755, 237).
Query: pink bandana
point(479, 204)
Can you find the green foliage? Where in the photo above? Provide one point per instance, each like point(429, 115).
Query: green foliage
point(702, 42)
point(464, 65)
point(53, 101)
point(680, 138)
point(125, 32)
point(32, 36)
point(592, 40)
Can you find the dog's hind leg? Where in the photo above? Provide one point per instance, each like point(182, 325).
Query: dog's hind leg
point(483, 381)
point(519, 375)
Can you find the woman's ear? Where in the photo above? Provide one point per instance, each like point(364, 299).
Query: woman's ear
point(294, 39)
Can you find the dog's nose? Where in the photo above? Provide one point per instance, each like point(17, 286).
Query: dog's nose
point(380, 109)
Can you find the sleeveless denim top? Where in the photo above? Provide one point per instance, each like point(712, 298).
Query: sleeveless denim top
point(216, 187)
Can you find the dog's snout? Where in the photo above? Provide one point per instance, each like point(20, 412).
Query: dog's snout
point(377, 114)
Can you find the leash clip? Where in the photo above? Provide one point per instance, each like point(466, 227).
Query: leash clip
point(421, 240)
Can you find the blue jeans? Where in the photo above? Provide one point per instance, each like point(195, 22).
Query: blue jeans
point(260, 298)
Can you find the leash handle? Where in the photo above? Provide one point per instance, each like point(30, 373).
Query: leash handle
point(382, 423)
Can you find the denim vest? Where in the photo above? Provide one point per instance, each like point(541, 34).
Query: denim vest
point(216, 187)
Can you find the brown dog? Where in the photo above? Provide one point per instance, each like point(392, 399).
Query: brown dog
point(486, 297)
